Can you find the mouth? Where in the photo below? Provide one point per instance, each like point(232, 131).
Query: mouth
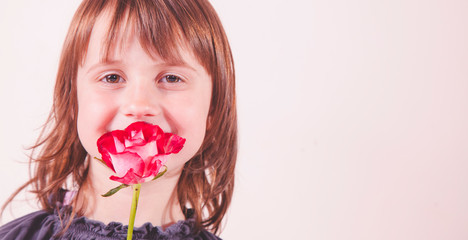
point(165, 127)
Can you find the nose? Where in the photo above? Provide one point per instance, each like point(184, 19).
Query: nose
point(140, 102)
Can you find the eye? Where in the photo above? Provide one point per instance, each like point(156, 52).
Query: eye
point(112, 78)
point(172, 82)
point(171, 79)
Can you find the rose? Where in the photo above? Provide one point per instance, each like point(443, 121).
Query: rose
point(135, 154)
point(138, 152)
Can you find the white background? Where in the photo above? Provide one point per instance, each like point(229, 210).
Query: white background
point(353, 115)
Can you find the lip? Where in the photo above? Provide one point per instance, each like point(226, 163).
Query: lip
point(165, 127)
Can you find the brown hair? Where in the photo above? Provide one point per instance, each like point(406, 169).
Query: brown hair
point(207, 180)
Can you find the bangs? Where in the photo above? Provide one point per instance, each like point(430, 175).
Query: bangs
point(159, 31)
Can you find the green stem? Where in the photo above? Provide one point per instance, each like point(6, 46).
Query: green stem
point(131, 221)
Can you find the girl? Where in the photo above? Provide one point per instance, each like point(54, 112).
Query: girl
point(166, 62)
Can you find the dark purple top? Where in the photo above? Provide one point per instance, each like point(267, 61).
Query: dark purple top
point(44, 225)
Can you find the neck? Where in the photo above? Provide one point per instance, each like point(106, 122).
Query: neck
point(157, 204)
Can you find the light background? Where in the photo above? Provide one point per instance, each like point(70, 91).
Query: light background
point(353, 115)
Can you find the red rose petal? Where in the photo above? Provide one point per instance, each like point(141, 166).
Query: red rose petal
point(152, 169)
point(119, 145)
point(107, 142)
point(106, 157)
point(145, 151)
point(125, 161)
point(129, 178)
point(171, 143)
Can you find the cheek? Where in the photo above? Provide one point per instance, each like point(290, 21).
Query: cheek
point(192, 126)
point(194, 133)
point(190, 117)
point(93, 113)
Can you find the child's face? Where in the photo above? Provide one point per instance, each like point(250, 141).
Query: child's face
point(136, 87)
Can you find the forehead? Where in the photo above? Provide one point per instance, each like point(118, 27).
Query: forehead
point(112, 35)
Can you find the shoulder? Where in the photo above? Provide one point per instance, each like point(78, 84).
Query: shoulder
point(36, 225)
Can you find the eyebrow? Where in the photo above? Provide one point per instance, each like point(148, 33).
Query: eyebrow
point(163, 64)
point(100, 64)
